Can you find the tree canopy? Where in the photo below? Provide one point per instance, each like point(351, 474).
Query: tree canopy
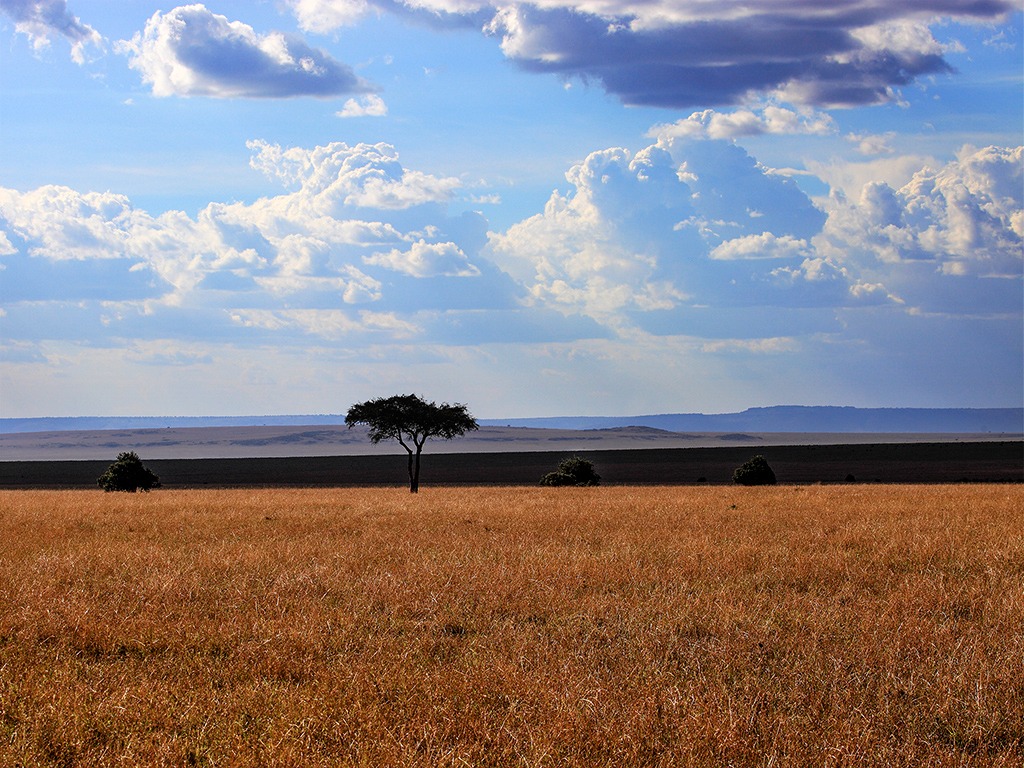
point(411, 421)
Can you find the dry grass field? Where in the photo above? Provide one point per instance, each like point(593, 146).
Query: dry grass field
point(659, 626)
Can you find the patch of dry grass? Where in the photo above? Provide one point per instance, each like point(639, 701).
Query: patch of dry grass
point(824, 626)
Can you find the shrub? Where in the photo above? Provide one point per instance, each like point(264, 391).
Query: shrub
point(127, 474)
point(572, 471)
point(754, 472)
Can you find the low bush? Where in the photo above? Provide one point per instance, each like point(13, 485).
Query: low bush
point(572, 471)
point(127, 474)
point(754, 472)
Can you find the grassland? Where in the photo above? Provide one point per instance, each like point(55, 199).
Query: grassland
point(659, 626)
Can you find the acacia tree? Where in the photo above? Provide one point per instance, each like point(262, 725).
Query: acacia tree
point(411, 421)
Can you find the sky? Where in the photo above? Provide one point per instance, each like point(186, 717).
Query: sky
point(558, 207)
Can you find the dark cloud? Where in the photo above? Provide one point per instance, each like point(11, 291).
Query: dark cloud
point(835, 54)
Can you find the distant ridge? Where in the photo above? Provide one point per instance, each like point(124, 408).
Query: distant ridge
point(89, 423)
point(801, 418)
point(779, 418)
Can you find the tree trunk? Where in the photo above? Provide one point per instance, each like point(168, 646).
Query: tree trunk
point(414, 471)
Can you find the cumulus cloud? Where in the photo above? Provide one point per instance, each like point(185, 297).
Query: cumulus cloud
point(190, 51)
point(425, 259)
point(366, 175)
point(964, 219)
point(762, 246)
point(61, 224)
point(319, 259)
point(366, 106)
point(654, 240)
point(656, 231)
point(651, 240)
point(39, 19)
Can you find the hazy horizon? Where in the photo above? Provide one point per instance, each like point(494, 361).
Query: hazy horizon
point(773, 414)
point(532, 208)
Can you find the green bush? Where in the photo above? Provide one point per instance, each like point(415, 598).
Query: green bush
point(754, 472)
point(572, 471)
point(127, 474)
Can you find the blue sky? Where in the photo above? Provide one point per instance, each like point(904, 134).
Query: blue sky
point(600, 207)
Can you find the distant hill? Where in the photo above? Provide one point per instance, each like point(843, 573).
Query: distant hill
point(91, 423)
point(781, 418)
point(799, 418)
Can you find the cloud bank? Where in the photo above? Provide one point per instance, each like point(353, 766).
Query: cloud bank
point(361, 248)
point(685, 258)
point(650, 234)
point(641, 241)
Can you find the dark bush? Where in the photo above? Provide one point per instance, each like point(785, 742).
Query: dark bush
point(754, 472)
point(572, 471)
point(127, 474)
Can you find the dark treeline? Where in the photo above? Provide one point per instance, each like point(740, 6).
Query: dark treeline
point(885, 463)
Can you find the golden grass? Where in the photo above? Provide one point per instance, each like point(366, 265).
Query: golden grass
point(824, 626)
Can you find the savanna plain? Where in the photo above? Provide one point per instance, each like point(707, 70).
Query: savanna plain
point(845, 625)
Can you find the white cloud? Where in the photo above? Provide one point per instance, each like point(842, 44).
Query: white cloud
point(762, 246)
point(352, 285)
point(425, 259)
point(327, 15)
point(322, 247)
point(967, 218)
point(947, 243)
point(849, 178)
point(327, 324)
point(647, 233)
point(362, 176)
point(872, 144)
point(6, 248)
point(646, 241)
point(771, 346)
point(640, 240)
point(366, 106)
point(904, 36)
point(39, 19)
point(190, 51)
point(772, 119)
point(578, 253)
point(62, 224)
